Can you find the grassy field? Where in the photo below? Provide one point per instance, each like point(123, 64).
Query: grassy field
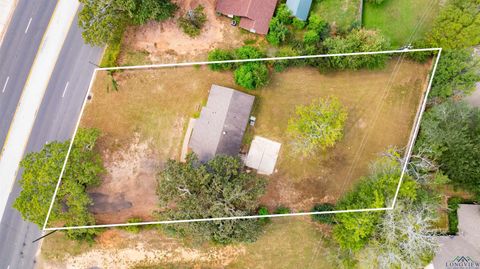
point(339, 13)
point(399, 19)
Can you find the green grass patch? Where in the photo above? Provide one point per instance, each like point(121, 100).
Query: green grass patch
point(343, 14)
point(398, 19)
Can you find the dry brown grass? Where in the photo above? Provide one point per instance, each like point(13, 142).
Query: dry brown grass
point(156, 105)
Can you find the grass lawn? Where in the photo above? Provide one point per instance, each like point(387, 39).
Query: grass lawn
point(340, 13)
point(398, 19)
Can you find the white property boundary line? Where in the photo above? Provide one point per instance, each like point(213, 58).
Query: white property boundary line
point(407, 156)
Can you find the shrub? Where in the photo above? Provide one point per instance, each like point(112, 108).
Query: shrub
point(453, 205)
point(298, 24)
point(282, 210)
point(323, 218)
point(252, 75)
point(318, 125)
point(262, 211)
point(280, 65)
point(248, 52)
point(283, 14)
point(134, 228)
point(311, 37)
point(193, 21)
point(278, 32)
point(318, 25)
point(220, 55)
point(355, 41)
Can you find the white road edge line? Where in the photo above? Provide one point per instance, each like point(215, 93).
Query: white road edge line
point(65, 90)
point(28, 25)
point(5, 85)
point(416, 126)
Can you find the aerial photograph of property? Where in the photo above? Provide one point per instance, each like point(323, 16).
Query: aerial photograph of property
point(145, 134)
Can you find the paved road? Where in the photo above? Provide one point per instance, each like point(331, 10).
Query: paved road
point(17, 52)
point(55, 120)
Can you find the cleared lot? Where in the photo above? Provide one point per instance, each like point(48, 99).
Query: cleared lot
point(143, 125)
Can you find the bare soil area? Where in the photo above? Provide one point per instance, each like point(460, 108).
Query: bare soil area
point(286, 243)
point(165, 42)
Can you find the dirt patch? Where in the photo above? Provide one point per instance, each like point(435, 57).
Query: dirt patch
point(119, 249)
point(128, 187)
point(165, 42)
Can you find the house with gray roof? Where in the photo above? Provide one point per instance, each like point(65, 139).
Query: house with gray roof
point(222, 123)
point(300, 8)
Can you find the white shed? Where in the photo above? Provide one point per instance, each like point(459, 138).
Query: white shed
point(263, 155)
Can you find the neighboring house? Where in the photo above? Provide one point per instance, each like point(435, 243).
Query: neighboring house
point(255, 15)
point(300, 8)
point(462, 250)
point(222, 123)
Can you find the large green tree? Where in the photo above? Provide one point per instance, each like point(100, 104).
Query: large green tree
point(104, 20)
point(352, 231)
point(41, 171)
point(457, 73)
point(359, 40)
point(457, 25)
point(218, 188)
point(318, 125)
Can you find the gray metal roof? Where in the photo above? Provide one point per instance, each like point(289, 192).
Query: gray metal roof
point(300, 8)
point(222, 122)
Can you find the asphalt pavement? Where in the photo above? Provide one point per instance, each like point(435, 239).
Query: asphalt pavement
point(55, 121)
point(17, 52)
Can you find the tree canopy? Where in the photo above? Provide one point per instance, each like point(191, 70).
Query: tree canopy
point(457, 73)
point(457, 25)
point(40, 176)
point(102, 21)
point(450, 135)
point(318, 125)
point(352, 231)
point(218, 188)
point(252, 75)
point(357, 40)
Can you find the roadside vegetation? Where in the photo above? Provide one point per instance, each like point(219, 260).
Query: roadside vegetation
point(41, 174)
point(104, 22)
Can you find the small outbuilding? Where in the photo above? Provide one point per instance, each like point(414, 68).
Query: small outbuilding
point(222, 123)
point(263, 155)
point(300, 8)
point(255, 15)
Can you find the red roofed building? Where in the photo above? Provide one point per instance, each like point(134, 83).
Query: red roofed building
point(255, 14)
